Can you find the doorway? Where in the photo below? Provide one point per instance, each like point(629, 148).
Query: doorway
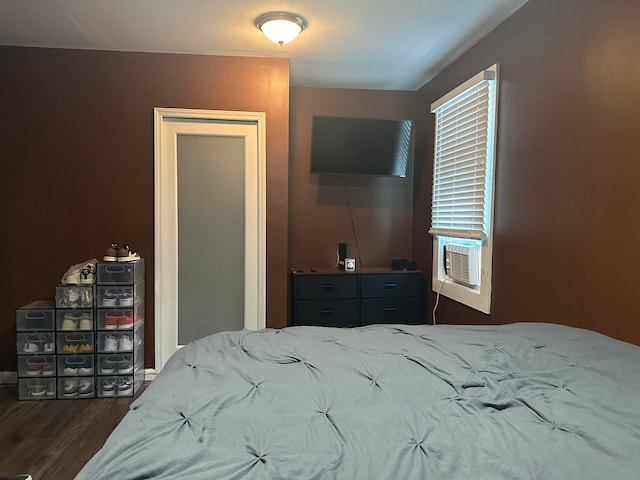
point(210, 234)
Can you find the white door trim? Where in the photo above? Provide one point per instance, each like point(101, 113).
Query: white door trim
point(166, 226)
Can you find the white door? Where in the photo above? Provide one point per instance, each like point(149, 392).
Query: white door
point(209, 225)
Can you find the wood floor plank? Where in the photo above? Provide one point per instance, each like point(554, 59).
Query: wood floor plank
point(53, 439)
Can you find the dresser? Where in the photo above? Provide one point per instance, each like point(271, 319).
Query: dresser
point(335, 298)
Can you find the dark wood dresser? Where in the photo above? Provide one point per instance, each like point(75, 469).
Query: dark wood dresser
point(335, 298)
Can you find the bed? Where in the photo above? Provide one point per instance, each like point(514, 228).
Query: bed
point(519, 401)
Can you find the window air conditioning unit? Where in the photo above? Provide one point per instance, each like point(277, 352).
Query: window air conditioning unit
point(462, 263)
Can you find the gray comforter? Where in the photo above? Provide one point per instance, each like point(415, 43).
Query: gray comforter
point(521, 401)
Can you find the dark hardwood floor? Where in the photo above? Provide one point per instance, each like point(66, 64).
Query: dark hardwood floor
point(53, 439)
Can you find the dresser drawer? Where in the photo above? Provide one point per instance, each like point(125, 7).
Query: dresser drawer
point(327, 286)
point(389, 285)
point(390, 310)
point(328, 313)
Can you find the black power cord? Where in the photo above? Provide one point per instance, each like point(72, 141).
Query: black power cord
point(353, 226)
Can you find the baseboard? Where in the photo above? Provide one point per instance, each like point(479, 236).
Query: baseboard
point(8, 378)
point(149, 374)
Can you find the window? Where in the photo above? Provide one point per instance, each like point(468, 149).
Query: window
point(462, 202)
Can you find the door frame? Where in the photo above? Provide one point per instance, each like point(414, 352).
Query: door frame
point(166, 225)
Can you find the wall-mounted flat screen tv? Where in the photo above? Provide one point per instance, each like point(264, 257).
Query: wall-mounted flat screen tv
point(364, 146)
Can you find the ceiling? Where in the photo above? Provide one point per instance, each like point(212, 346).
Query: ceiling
point(372, 44)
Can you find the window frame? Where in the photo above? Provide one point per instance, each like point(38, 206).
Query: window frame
point(477, 297)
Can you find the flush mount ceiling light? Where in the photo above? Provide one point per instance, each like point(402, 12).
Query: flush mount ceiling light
point(280, 27)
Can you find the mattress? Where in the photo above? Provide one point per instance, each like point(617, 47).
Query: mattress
point(519, 401)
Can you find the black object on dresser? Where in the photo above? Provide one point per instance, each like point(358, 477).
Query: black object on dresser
point(335, 298)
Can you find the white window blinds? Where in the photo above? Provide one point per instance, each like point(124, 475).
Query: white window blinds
point(460, 160)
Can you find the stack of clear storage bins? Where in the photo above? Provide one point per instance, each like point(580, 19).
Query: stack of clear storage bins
point(75, 341)
point(36, 350)
point(120, 328)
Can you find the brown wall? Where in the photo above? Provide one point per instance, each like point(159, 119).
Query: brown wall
point(568, 166)
point(77, 166)
point(318, 204)
point(77, 161)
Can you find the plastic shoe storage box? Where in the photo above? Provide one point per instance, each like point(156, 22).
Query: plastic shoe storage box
point(74, 388)
point(120, 273)
point(36, 316)
point(75, 315)
point(122, 296)
point(75, 342)
point(75, 296)
point(120, 363)
point(36, 388)
point(76, 365)
point(113, 386)
point(113, 341)
point(124, 318)
point(36, 366)
point(35, 343)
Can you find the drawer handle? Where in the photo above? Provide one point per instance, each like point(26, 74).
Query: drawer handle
point(327, 286)
point(389, 286)
point(327, 311)
point(389, 309)
point(114, 269)
point(35, 315)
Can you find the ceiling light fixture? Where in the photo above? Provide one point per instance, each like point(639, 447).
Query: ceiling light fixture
point(280, 27)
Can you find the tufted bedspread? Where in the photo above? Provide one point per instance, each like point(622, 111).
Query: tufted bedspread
point(520, 401)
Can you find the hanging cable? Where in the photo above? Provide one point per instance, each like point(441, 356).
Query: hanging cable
point(438, 299)
point(353, 226)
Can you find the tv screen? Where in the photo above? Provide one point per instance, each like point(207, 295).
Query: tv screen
point(365, 146)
